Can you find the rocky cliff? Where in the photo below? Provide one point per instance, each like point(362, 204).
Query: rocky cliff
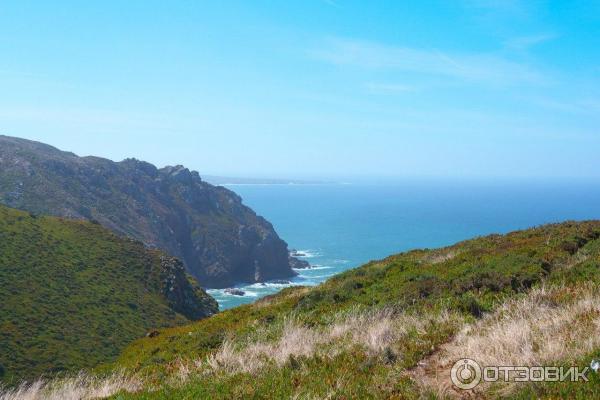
point(220, 240)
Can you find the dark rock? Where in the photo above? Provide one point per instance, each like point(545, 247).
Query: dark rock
point(152, 334)
point(298, 264)
point(235, 292)
point(182, 291)
point(220, 241)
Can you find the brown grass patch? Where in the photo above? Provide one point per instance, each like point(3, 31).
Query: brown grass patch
point(80, 387)
point(549, 326)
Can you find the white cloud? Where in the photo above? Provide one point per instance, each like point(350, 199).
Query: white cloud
point(487, 68)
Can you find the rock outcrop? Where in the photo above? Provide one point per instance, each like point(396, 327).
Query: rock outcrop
point(182, 292)
point(219, 239)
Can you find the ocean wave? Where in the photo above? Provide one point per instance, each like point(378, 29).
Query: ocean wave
point(221, 293)
point(264, 285)
point(311, 268)
point(307, 253)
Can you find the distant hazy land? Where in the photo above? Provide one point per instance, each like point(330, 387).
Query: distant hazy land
point(223, 180)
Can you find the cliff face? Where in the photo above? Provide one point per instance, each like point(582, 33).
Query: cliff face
point(220, 240)
point(182, 292)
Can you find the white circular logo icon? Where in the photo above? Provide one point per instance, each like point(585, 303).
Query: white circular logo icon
point(465, 374)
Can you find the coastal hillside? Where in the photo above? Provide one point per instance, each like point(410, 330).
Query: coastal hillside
point(220, 241)
point(390, 329)
point(394, 328)
point(73, 294)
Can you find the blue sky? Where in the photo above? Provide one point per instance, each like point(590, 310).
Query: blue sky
point(313, 88)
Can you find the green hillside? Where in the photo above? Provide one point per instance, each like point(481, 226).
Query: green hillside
point(390, 329)
point(73, 294)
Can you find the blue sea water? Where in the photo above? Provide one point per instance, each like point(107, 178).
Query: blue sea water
point(341, 226)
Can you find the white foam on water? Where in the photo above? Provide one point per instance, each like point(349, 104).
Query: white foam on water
point(266, 285)
point(312, 276)
point(222, 295)
point(307, 253)
point(319, 267)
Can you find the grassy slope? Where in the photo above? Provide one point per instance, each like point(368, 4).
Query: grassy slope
point(468, 279)
point(72, 294)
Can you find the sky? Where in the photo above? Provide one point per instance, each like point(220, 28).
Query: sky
point(310, 89)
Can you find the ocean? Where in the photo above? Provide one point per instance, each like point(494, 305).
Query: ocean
point(341, 226)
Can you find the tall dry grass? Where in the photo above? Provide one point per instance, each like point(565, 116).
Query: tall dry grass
point(80, 387)
point(441, 255)
point(374, 331)
point(549, 326)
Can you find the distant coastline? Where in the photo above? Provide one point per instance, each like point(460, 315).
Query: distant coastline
point(221, 180)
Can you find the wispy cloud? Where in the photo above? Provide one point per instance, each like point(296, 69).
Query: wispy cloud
point(486, 68)
point(526, 42)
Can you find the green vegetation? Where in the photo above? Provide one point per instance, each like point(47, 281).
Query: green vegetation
point(74, 295)
point(379, 331)
point(389, 329)
point(567, 389)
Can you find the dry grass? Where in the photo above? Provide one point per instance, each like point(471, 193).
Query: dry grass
point(80, 387)
point(576, 259)
point(374, 331)
point(295, 340)
point(550, 325)
point(441, 255)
